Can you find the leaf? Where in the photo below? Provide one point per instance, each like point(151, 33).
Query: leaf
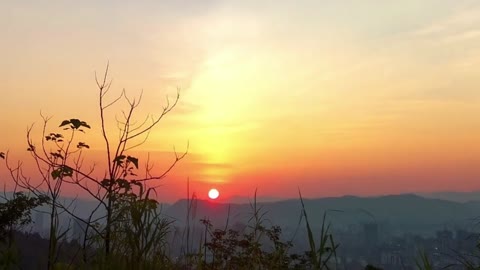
point(84, 124)
point(55, 174)
point(118, 160)
point(67, 171)
point(106, 182)
point(64, 123)
point(134, 160)
point(123, 184)
point(152, 204)
point(83, 145)
point(56, 155)
point(75, 123)
point(63, 171)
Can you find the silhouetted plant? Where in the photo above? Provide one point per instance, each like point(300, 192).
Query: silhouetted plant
point(423, 263)
point(14, 214)
point(260, 247)
point(320, 257)
point(116, 189)
point(52, 160)
point(230, 249)
point(122, 195)
point(140, 233)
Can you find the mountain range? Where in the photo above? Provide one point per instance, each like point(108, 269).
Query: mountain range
point(406, 213)
point(397, 214)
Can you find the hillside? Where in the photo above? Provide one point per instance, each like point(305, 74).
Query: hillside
point(399, 213)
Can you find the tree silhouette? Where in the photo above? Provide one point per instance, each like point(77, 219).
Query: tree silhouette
point(125, 206)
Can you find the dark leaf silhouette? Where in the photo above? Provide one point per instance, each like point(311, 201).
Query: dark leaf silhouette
point(63, 171)
point(134, 160)
point(74, 124)
point(119, 160)
point(83, 145)
point(64, 123)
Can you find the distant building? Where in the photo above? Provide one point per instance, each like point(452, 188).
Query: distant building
point(371, 234)
point(39, 222)
point(444, 239)
point(391, 257)
point(78, 230)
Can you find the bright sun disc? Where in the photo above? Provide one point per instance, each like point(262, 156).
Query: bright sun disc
point(213, 193)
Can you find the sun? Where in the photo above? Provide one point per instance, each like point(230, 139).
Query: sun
point(213, 193)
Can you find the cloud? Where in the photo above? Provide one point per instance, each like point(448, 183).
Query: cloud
point(460, 25)
point(213, 165)
point(454, 93)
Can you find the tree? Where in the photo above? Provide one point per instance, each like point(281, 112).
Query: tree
point(121, 182)
point(123, 197)
point(15, 212)
point(52, 160)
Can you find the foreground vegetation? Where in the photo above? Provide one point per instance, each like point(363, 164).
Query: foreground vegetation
point(126, 230)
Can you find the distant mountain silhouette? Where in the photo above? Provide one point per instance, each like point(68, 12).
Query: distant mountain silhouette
point(242, 199)
point(453, 196)
point(398, 213)
point(395, 213)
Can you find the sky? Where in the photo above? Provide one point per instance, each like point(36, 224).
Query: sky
point(329, 97)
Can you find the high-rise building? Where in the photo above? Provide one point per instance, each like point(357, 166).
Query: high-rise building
point(371, 234)
point(78, 229)
point(39, 222)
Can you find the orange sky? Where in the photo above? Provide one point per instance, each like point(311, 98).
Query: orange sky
point(357, 97)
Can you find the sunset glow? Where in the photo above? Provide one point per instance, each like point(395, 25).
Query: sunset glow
point(332, 97)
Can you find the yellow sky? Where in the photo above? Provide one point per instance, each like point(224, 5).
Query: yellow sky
point(357, 97)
